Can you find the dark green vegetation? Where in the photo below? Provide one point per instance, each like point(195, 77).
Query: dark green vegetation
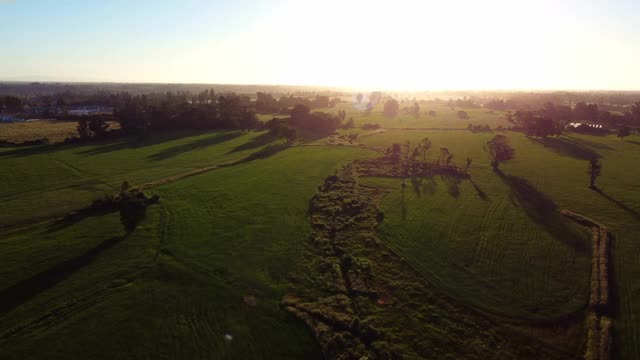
point(179, 281)
point(468, 267)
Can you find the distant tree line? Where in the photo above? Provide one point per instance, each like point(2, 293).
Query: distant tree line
point(143, 114)
point(562, 115)
point(267, 104)
point(10, 104)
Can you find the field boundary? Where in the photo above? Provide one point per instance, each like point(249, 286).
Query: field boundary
point(599, 322)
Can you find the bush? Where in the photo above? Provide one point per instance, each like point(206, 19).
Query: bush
point(369, 126)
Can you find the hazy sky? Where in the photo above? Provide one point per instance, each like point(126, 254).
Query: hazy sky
point(421, 44)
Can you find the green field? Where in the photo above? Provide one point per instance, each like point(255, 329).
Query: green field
point(175, 287)
point(485, 249)
point(214, 239)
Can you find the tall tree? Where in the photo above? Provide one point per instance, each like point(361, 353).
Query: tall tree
point(594, 170)
point(391, 108)
point(500, 150)
point(424, 145)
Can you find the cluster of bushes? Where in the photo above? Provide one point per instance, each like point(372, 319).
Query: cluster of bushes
point(478, 128)
point(131, 203)
point(462, 115)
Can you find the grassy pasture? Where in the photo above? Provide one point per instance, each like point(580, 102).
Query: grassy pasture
point(44, 181)
point(213, 239)
point(554, 170)
point(177, 283)
point(445, 117)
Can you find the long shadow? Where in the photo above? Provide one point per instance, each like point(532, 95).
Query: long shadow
point(452, 183)
point(593, 144)
point(403, 205)
point(134, 143)
point(256, 142)
point(618, 203)
point(634, 142)
point(542, 210)
point(566, 147)
point(266, 152)
point(416, 183)
point(21, 292)
point(479, 191)
point(33, 150)
point(74, 218)
point(200, 143)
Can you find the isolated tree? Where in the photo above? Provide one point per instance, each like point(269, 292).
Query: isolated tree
point(396, 151)
point(594, 170)
point(359, 97)
point(624, 132)
point(424, 145)
point(407, 159)
point(462, 115)
point(391, 108)
point(500, 150)
point(469, 161)
point(432, 113)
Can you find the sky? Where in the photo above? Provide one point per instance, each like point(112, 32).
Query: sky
point(399, 44)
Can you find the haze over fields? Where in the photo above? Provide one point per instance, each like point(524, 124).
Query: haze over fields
point(407, 44)
point(341, 180)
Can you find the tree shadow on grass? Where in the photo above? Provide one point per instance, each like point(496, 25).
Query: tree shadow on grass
point(256, 142)
point(75, 217)
point(634, 142)
point(403, 206)
point(479, 191)
point(34, 150)
point(14, 296)
point(542, 210)
point(566, 147)
point(133, 142)
point(618, 203)
point(452, 184)
point(266, 152)
point(592, 144)
point(198, 144)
